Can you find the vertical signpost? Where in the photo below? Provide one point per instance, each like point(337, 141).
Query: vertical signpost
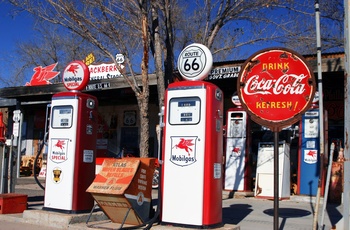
point(276, 86)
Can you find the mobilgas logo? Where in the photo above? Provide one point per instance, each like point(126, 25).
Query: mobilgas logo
point(59, 150)
point(310, 156)
point(183, 151)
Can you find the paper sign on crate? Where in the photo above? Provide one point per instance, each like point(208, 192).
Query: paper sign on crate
point(124, 184)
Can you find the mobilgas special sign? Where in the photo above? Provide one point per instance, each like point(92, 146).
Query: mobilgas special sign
point(75, 76)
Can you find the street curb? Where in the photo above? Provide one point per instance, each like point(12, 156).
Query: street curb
point(59, 220)
point(78, 221)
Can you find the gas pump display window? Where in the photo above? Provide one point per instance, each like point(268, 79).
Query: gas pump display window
point(236, 129)
point(62, 116)
point(311, 128)
point(184, 110)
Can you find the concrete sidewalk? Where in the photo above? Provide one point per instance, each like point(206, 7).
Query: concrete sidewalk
point(241, 212)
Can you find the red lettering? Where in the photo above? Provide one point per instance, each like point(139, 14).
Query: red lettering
point(58, 158)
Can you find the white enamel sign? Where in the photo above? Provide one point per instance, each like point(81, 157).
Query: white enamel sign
point(195, 62)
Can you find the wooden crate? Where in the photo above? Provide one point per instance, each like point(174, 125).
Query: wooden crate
point(13, 203)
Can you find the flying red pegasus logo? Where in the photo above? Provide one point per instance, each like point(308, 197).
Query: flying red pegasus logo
point(60, 144)
point(184, 144)
point(236, 149)
point(73, 69)
point(311, 153)
point(42, 75)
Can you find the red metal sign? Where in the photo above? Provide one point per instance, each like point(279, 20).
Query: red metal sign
point(276, 87)
point(76, 76)
point(43, 75)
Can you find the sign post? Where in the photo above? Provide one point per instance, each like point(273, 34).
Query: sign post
point(276, 86)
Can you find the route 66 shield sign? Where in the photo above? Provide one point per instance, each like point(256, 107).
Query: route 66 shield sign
point(195, 62)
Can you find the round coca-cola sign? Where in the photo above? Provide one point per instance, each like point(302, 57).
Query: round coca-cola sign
point(276, 87)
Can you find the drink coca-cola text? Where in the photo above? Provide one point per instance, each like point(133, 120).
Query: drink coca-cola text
point(286, 84)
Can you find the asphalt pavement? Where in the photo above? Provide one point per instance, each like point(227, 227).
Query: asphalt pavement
point(240, 211)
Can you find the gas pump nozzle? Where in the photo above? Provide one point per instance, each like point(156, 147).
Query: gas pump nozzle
point(295, 133)
point(161, 116)
point(161, 125)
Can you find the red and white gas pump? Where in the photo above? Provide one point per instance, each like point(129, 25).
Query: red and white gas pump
point(193, 145)
point(71, 145)
point(237, 169)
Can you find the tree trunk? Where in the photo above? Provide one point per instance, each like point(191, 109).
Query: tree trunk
point(158, 56)
point(144, 127)
point(169, 44)
point(143, 97)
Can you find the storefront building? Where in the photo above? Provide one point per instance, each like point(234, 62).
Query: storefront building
point(120, 126)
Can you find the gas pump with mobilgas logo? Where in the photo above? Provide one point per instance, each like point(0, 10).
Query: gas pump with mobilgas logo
point(237, 176)
point(309, 155)
point(71, 144)
point(193, 145)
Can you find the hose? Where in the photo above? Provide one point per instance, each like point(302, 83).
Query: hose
point(156, 215)
point(36, 160)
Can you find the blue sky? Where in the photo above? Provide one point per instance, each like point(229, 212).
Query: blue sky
point(21, 28)
point(13, 29)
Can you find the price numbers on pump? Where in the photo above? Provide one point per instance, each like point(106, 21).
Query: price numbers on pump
point(195, 62)
point(187, 103)
point(64, 122)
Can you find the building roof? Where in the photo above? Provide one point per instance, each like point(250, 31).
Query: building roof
point(43, 93)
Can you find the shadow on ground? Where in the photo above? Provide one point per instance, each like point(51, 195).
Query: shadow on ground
point(236, 213)
point(334, 215)
point(286, 213)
